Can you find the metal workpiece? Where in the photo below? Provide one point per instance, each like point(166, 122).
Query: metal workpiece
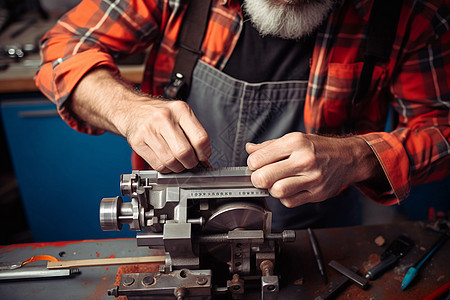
point(212, 177)
point(355, 278)
point(109, 214)
point(149, 239)
point(235, 177)
point(114, 213)
point(157, 198)
point(198, 217)
point(178, 284)
point(285, 236)
point(33, 272)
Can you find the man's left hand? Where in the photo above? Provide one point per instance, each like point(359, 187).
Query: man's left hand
point(301, 168)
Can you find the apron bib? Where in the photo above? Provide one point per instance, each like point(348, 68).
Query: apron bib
point(235, 112)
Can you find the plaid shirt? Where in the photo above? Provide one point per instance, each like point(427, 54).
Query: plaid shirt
point(415, 81)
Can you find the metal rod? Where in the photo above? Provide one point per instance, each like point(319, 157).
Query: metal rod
point(105, 262)
point(360, 281)
point(35, 272)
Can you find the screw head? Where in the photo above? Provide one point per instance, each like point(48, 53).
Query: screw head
point(148, 280)
point(127, 281)
point(271, 288)
point(202, 280)
point(114, 292)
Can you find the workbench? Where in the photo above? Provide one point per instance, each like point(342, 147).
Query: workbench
point(300, 278)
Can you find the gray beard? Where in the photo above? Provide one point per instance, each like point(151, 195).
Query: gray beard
point(287, 21)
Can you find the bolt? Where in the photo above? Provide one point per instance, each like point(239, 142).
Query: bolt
point(202, 280)
point(266, 267)
point(114, 292)
point(236, 285)
point(127, 281)
point(148, 280)
point(180, 293)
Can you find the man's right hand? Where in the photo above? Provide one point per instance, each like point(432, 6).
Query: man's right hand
point(166, 134)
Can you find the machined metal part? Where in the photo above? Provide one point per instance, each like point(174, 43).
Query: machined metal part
point(231, 218)
point(10, 266)
point(269, 282)
point(355, 278)
point(236, 287)
point(335, 287)
point(216, 212)
point(238, 215)
point(179, 284)
point(159, 198)
point(30, 272)
point(109, 214)
point(178, 242)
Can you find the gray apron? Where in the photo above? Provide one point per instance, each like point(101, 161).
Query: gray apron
point(235, 112)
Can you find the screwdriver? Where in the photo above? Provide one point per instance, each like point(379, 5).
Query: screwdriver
point(412, 272)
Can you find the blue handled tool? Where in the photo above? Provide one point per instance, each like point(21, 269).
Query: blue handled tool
point(412, 272)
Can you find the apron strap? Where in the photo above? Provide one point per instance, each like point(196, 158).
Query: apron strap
point(382, 29)
point(190, 40)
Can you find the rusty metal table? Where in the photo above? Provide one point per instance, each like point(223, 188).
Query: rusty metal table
point(350, 246)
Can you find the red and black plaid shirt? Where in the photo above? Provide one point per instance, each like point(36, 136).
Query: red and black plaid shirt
point(415, 81)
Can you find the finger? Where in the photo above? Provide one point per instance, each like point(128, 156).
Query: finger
point(298, 199)
point(150, 157)
point(252, 147)
point(271, 152)
point(290, 186)
point(267, 175)
point(162, 151)
point(180, 148)
point(196, 135)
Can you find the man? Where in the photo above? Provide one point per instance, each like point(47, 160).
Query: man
point(269, 70)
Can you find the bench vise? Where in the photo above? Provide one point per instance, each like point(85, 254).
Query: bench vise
point(205, 220)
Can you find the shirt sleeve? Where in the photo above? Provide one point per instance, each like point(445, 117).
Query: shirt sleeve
point(92, 35)
point(417, 151)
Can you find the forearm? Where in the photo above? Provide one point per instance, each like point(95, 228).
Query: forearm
point(69, 52)
point(101, 99)
point(354, 154)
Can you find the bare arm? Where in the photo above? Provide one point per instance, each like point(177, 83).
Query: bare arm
point(165, 133)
